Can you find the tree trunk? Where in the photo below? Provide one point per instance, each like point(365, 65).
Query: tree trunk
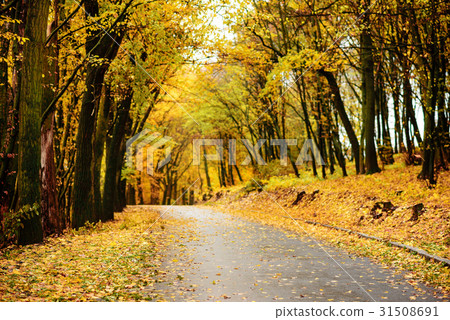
point(408, 104)
point(339, 105)
point(183, 196)
point(122, 187)
point(83, 188)
point(51, 218)
point(99, 147)
point(330, 153)
point(102, 46)
point(208, 179)
point(443, 124)
point(399, 146)
point(131, 195)
point(140, 190)
point(239, 173)
point(31, 96)
point(169, 187)
point(309, 132)
point(429, 141)
point(175, 191)
point(368, 93)
point(4, 99)
point(191, 197)
point(110, 188)
point(7, 120)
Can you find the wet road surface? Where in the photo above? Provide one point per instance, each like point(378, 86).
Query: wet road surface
point(214, 256)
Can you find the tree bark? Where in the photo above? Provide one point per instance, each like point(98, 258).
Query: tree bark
point(99, 147)
point(368, 93)
point(112, 177)
point(51, 219)
point(102, 46)
point(31, 98)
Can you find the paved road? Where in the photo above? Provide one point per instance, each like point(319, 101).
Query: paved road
point(213, 256)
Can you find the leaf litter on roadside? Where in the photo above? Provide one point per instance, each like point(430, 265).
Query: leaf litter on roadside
point(114, 261)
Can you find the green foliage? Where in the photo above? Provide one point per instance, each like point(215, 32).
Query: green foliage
point(13, 221)
point(254, 185)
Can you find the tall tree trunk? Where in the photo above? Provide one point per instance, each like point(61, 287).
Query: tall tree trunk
point(368, 92)
point(408, 104)
point(99, 147)
point(387, 152)
point(31, 95)
point(409, 143)
point(239, 173)
point(334, 138)
point(51, 218)
point(83, 188)
point(112, 178)
point(330, 152)
point(429, 147)
point(399, 146)
point(101, 46)
point(227, 163)
point(429, 141)
point(309, 133)
point(223, 173)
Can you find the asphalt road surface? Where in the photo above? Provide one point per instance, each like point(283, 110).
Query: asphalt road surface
point(214, 256)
